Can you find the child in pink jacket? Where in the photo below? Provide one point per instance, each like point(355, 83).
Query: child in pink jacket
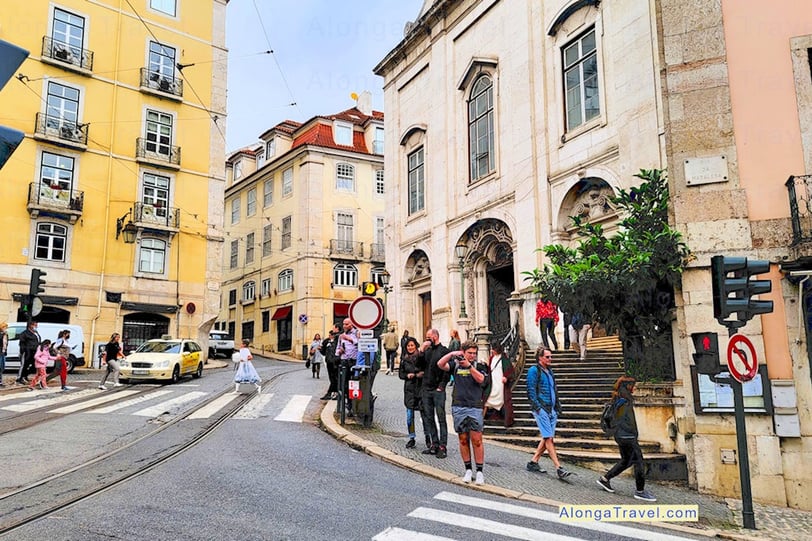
point(41, 358)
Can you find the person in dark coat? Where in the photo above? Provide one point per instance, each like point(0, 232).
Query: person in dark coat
point(624, 425)
point(412, 367)
point(434, 383)
point(328, 349)
point(29, 341)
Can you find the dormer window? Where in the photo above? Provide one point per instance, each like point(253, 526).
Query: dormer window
point(260, 158)
point(342, 133)
point(270, 149)
point(237, 169)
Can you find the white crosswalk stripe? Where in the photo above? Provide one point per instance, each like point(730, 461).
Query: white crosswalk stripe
point(46, 402)
point(132, 402)
point(253, 409)
point(169, 405)
point(508, 528)
point(294, 410)
point(213, 407)
point(95, 402)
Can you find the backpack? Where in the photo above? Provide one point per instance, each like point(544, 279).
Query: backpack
point(608, 418)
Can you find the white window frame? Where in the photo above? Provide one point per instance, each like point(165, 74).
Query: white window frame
point(234, 255)
point(156, 194)
point(251, 202)
point(249, 291)
point(74, 43)
point(235, 210)
point(60, 115)
point(260, 158)
point(376, 273)
point(481, 135)
point(345, 231)
point(167, 7)
point(265, 287)
point(61, 173)
point(343, 133)
point(267, 236)
point(345, 177)
point(416, 175)
point(378, 141)
point(237, 170)
point(159, 133)
point(55, 246)
point(345, 275)
point(285, 280)
point(161, 62)
point(270, 149)
point(157, 250)
point(380, 182)
point(249, 248)
point(287, 232)
point(575, 66)
point(380, 224)
point(267, 193)
point(287, 182)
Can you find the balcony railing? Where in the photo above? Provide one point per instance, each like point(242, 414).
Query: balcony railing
point(376, 252)
point(151, 215)
point(64, 53)
point(61, 129)
point(166, 84)
point(157, 153)
point(346, 249)
point(800, 207)
point(56, 199)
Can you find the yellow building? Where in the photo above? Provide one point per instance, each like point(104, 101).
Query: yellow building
point(121, 171)
point(304, 222)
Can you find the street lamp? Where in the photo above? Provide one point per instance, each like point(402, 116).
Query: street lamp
point(383, 278)
point(129, 230)
point(460, 250)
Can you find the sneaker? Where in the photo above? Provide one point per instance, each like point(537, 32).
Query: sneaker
point(468, 476)
point(411, 444)
point(604, 483)
point(430, 451)
point(102, 387)
point(562, 473)
point(118, 385)
point(480, 479)
point(534, 466)
point(30, 388)
point(644, 495)
point(441, 452)
point(64, 387)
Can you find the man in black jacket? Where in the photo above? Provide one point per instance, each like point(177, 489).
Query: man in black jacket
point(434, 384)
point(29, 340)
point(328, 349)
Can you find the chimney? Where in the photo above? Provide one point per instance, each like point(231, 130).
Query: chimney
point(364, 102)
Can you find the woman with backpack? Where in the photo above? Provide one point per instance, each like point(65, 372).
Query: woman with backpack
point(624, 428)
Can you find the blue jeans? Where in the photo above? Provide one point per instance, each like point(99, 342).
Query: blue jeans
point(410, 423)
point(2, 365)
point(434, 403)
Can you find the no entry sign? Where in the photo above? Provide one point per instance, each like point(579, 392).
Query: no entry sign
point(366, 312)
point(741, 358)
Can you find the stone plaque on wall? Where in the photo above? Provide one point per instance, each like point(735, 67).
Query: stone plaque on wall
point(706, 170)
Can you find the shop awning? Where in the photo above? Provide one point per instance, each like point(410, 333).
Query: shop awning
point(282, 313)
point(341, 309)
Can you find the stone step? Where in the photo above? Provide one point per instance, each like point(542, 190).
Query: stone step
point(570, 443)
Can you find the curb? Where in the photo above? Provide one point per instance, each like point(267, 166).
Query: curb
point(328, 422)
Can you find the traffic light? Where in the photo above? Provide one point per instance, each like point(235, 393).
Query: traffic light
point(706, 357)
point(369, 288)
point(11, 57)
point(37, 285)
point(734, 285)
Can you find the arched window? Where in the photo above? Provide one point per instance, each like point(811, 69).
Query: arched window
point(285, 282)
point(480, 128)
point(345, 177)
point(51, 240)
point(152, 255)
point(249, 290)
point(345, 275)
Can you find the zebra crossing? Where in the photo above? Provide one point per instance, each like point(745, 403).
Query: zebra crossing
point(462, 517)
point(291, 408)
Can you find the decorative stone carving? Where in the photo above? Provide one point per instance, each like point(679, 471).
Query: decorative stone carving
point(593, 203)
point(418, 267)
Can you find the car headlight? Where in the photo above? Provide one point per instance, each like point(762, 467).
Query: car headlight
point(162, 364)
point(123, 363)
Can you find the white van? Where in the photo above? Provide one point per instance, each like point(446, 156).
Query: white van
point(49, 331)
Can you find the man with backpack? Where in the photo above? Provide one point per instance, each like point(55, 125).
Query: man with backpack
point(543, 396)
point(29, 340)
point(618, 420)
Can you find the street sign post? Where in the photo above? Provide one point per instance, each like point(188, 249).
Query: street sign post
point(368, 345)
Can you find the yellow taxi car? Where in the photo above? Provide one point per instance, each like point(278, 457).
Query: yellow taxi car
point(163, 359)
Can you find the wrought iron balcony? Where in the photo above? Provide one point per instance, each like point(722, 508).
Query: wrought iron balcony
point(157, 153)
point(156, 216)
point(66, 55)
point(376, 252)
point(162, 84)
point(61, 131)
point(346, 249)
point(800, 207)
point(55, 199)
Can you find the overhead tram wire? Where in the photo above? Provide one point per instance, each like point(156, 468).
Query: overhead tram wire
point(293, 102)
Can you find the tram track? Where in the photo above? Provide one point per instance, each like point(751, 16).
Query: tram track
point(51, 494)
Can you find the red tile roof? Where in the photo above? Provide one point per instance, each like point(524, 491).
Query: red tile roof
point(320, 134)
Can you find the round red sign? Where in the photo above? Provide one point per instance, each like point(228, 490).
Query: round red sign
point(741, 358)
point(365, 312)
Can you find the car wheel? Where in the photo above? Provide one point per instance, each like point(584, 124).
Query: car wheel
point(199, 372)
point(71, 363)
point(212, 353)
point(176, 374)
point(125, 381)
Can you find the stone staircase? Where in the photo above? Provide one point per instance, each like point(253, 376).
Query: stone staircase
point(584, 387)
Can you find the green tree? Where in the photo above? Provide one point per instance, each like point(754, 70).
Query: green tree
point(626, 281)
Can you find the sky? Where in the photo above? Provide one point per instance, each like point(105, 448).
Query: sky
point(324, 50)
